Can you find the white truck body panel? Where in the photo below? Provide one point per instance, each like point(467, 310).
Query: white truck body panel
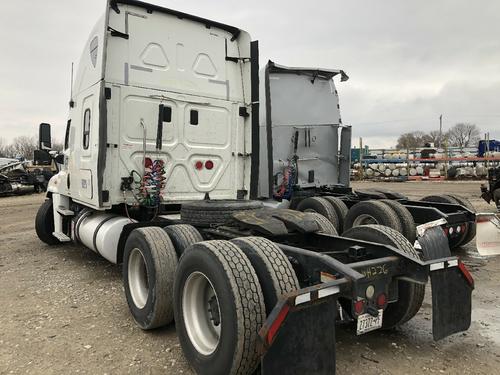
point(136, 60)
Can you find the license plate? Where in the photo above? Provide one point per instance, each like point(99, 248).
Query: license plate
point(367, 323)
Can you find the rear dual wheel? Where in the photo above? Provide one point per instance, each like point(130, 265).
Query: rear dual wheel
point(223, 291)
point(149, 264)
point(333, 208)
point(410, 295)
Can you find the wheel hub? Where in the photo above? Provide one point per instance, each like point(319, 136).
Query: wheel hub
point(213, 308)
point(364, 219)
point(138, 278)
point(201, 312)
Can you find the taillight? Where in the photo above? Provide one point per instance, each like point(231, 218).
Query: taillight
point(359, 307)
point(381, 300)
point(198, 165)
point(209, 164)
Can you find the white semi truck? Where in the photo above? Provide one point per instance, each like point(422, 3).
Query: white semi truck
point(160, 161)
point(306, 161)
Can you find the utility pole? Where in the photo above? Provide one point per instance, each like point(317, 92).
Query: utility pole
point(440, 130)
point(361, 169)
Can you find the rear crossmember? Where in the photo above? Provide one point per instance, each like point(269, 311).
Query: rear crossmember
point(308, 315)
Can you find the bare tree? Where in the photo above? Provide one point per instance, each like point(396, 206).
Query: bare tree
point(2, 148)
point(463, 135)
point(407, 141)
point(413, 140)
point(57, 146)
point(24, 146)
point(434, 137)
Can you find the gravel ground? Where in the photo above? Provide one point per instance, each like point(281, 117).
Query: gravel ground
point(63, 311)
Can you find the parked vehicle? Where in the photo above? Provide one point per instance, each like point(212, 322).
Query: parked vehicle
point(160, 161)
point(491, 191)
point(21, 177)
point(305, 161)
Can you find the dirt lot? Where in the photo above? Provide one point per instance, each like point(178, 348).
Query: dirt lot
point(63, 311)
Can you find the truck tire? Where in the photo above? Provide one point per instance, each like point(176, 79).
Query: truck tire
point(325, 225)
point(443, 198)
point(340, 208)
point(321, 206)
point(471, 228)
point(219, 308)
point(44, 223)
point(407, 222)
point(410, 295)
point(372, 212)
point(183, 236)
point(209, 213)
point(149, 264)
point(274, 270)
point(496, 197)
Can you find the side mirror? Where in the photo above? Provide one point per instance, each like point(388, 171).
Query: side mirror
point(44, 138)
point(59, 159)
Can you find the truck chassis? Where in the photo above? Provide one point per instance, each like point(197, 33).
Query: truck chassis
point(172, 99)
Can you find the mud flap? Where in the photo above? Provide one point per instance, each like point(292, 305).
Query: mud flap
point(304, 342)
point(451, 302)
point(451, 285)
point(488, 234)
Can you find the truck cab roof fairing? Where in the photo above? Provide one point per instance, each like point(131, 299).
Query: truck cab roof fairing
point(314, 72)
point(152, 7)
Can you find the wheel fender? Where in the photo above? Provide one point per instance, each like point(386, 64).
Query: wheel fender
point(58, 183)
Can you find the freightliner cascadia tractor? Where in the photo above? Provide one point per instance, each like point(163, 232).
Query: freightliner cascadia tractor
point(160, 174)
point(305, 161)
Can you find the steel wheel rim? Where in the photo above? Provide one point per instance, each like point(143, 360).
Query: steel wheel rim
point(201, 312)
point(364, 219)
point(138, 278)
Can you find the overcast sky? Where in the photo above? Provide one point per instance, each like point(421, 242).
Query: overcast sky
point(408, 62)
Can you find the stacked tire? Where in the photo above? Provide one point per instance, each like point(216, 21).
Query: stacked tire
point(219, 292)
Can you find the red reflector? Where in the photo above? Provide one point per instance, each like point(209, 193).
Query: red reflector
point(445, 230)
point(359, 307)
point(381, 300)
point(148, 163)
point(199, 165)
point(209, 164)
point(273, 330)
point(466, 273)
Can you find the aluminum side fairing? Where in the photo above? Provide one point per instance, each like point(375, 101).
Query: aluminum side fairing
point(299, 121)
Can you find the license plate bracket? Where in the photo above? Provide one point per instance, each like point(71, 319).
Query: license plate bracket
point(367, 323)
